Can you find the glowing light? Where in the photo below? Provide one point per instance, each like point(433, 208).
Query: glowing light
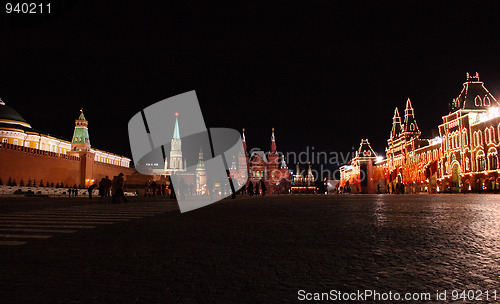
point(380, 158)
point(176, 114)
point(493, 111)
point(436, 140)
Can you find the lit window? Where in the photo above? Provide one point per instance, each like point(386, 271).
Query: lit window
point(481, 163)
point(5, 140)
point(16, 142)
point(486, 101)
point(477, 101)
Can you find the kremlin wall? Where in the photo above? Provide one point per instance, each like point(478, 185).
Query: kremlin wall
point(26, 154)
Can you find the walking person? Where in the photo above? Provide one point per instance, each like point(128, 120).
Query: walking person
point(91, 189)
point(121, 187)
point(250, 188)
point(107, 189)
point(257, 190)
point(101, 188)
point(263, 187)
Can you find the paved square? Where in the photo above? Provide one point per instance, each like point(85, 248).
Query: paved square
point(248, 250)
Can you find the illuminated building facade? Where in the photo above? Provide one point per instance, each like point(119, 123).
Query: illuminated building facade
point(301, 184)
point(265, 166)
point(28, 154)
point(464, 157)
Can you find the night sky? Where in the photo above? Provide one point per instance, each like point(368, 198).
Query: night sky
point(319, 72)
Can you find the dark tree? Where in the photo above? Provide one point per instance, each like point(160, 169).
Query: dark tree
point(30, 183)
point(21, 182)
point(41, 183)
point(9, 182)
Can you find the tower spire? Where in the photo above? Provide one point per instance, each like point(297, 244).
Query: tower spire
point(244, 141)
point(283, 163)
point(175, 161)
point(410, 124)
point(81, 139)
point(396, 124)
point(176, 128)
point(273, 142)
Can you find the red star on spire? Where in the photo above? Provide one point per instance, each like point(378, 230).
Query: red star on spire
point(176, 114)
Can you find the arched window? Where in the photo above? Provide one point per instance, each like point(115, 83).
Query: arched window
point(486, 136)
point(481, 163)
point(486, 100)
point(492, 161)
point(464, 138)
point(477, 101)
point(492, 134)
point(480, 138)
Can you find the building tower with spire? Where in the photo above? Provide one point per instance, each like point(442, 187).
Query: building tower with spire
point(396, 125)
point(80, 146)
point(243, 163)
point(309, 177)
point(81, 139)
point(298, 179)
point(175, 160)
point(410, 124)
point(201, 174)
point(273, 157)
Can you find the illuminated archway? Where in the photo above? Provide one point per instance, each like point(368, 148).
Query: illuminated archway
point(456, 178)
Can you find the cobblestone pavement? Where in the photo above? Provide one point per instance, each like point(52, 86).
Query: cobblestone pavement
point(254, 250)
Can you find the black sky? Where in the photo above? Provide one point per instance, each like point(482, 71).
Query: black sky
point(322, 73)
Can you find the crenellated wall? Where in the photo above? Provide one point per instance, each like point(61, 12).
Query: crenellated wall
point(18, 162)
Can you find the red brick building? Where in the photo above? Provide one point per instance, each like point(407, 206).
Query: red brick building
point(30, 155)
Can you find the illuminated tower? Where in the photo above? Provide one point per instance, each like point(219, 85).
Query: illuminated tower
point(310, 176)
point(410, 124)
point(273, 159)
point(81, 140)
point(298, 179)
point(396, 125)
point(201, 175)
point(175, 162)
point(80, 146)
point(243, 159)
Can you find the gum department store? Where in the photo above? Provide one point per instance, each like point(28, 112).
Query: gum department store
point(463, 158)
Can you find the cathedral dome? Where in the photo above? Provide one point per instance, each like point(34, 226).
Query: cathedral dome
point(10, 117)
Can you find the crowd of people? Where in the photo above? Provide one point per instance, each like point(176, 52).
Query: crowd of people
point(251, 189)
point(109, 190)
point(113, 190)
